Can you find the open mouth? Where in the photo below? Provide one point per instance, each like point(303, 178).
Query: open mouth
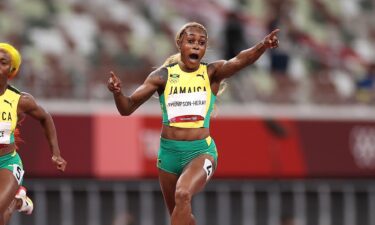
point(194, 56)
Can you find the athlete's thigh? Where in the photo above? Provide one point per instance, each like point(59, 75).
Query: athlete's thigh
point(8, 187)
point(196, 174)
point(168, 187)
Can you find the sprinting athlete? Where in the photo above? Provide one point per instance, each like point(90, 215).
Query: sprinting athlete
point(187, 91)
point(13, 104)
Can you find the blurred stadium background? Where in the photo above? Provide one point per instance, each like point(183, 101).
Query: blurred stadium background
point(295, 131)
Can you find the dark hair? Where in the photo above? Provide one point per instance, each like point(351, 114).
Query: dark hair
point(176, 57)
point(189, 25)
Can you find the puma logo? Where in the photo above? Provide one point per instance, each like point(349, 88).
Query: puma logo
point(6, 101)
point(200, 75)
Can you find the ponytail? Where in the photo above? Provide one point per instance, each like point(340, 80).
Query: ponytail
point(172, 59)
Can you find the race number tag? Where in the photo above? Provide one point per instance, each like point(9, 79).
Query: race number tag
point(5, 130)
point(18, 173)
point(208, 168)
point(187, 104)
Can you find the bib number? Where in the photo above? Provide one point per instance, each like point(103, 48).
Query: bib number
point(208, 168)
point(18, 173)
point(5, 130)
point(180, 105)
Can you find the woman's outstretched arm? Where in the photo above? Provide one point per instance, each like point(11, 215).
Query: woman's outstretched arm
point(126, 105)
point(224, 69)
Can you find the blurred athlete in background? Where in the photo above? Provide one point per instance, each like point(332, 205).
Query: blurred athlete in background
point(14, 104)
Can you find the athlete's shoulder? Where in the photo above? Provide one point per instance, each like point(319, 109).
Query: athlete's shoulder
point(159, 75)
point(13, 89)
point(171, 65)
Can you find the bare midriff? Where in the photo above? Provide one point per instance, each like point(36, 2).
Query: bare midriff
point(6, 148)
point(184, 134)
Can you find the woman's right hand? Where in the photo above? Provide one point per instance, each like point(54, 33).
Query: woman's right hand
point(114, 83)
point(59, 162)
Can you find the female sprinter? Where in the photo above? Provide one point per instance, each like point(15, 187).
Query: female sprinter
point(14, 103)
point(187, 90)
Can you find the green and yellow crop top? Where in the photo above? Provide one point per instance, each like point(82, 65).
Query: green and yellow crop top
point(187, 100)
point(8, 114)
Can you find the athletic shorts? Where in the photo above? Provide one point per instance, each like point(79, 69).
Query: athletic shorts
point(174, 155)
point(13, 163)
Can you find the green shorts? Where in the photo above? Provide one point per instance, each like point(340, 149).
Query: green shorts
point(174, 155)
point(13, 163)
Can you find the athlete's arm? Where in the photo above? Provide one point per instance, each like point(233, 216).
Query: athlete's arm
point(28, 105)
point(126, 105)
point(223, 69)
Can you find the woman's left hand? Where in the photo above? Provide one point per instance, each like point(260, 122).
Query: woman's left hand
point(271, 40)
point(59, 162)
point(114, 83)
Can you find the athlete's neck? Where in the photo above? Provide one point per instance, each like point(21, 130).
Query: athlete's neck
point(187, 69)
point(3, 87)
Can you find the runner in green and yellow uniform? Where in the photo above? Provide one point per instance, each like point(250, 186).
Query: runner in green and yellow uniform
point(187, 90)
point(12, 104)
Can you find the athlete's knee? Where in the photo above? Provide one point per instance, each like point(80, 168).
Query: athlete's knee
point(182, 196)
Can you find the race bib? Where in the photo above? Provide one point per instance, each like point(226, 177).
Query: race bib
point(5, 131)
point(18, 173)
point(208, 168)
point(187, 104)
